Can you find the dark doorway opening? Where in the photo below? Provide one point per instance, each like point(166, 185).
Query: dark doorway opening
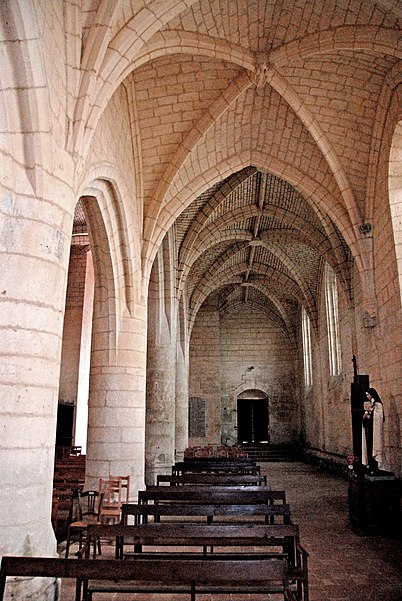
point(65, 421)
point(252, 421)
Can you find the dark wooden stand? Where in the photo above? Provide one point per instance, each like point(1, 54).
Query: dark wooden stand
point(375, 505)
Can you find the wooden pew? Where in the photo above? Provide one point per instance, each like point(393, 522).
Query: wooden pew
point(69, 472)
point(221, 479)
point(229, 512)
point(207, 538)
point(235, 539)
point(161, 575)
point(205, 494)
point(239, 460)
point(274, 540)
point(209, 467)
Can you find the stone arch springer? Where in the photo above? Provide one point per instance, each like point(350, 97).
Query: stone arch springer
point(27, 83)
point(105, 301)
point(114, 266)
point(388, 119)
point(114, 58)
point(104, 183)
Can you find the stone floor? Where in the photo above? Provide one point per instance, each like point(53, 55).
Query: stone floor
point(343, 566)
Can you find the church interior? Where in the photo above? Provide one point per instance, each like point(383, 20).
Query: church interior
point(201, 246)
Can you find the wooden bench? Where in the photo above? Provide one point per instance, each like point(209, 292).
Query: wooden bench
point(276, 540)
point(238, 459)
point(229, 512)
point(208, 538)
point(162, 575)
point(205, 494)
point(229, 467)
point(212, 479)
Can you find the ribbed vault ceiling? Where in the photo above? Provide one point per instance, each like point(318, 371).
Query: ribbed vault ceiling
point(255, 240)
point(250, 127)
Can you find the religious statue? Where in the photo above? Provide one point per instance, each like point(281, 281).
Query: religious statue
point(373, 456)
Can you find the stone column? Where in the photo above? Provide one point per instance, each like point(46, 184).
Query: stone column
point(182, 375)
point(35, 243)
point(160, 416)
point(116, 412)
point(161, 377)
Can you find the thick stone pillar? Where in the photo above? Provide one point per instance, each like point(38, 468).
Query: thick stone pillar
point(182, 376)
point(35, 243)
point(160, 416)
point(116, 412)
point(161, 376)
point(161, 369)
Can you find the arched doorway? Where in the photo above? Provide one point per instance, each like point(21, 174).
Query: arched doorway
point(252, 417)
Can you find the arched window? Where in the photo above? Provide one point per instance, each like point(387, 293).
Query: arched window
point(306, 334)
point(395, 195)
point(331, 304)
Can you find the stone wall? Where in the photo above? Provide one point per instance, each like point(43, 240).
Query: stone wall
point(242, 352)
point(328, 404)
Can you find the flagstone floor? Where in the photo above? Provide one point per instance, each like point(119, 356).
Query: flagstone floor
point(343, 566)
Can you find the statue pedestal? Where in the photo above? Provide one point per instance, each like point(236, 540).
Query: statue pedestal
point(375, 505)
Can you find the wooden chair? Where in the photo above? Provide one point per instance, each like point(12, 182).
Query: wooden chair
point(63, 503)
point(115, 490)
point(90, 511)
point(125, 487)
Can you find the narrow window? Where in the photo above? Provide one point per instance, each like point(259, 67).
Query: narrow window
point(306, 334)
point(331, 304)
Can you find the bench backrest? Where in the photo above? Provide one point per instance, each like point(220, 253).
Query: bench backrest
point(223, 460)
point(168, 533)
point(184, 467)
point(271, 512)
point(237, 572)
point(204, 494)
point(213, 479)
point(285, 538)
